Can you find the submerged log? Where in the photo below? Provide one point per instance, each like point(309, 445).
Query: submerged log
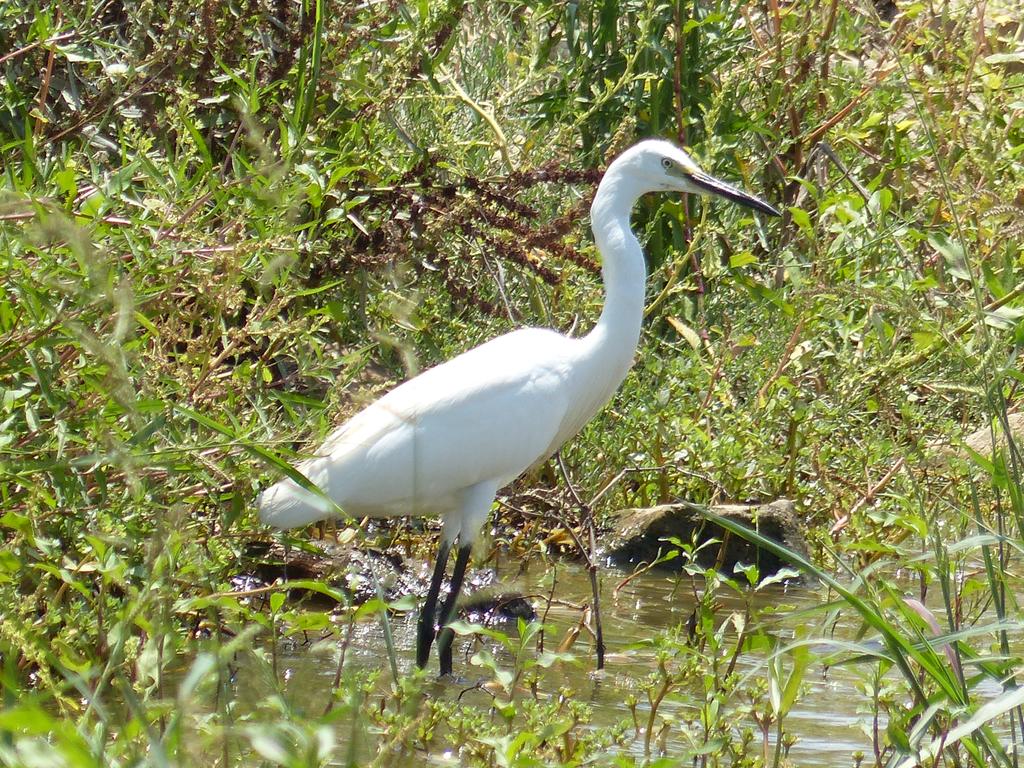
point(641, 536)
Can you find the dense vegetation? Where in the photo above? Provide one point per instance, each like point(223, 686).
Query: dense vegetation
point(224, 225)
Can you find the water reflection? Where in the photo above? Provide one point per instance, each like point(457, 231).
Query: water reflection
point(826, 721)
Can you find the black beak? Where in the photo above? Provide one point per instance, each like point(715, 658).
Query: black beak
point(713, 186)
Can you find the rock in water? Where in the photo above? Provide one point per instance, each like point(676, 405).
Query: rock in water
point(639, 535)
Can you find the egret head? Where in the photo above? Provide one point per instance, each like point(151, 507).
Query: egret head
point(661, 166)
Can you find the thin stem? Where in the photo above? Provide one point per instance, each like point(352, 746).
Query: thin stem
point(389, 640)
point(588, 555)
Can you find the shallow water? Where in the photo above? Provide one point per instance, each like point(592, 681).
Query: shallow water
point(826, 721)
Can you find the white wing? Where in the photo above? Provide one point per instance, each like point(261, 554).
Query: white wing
point(487, 414)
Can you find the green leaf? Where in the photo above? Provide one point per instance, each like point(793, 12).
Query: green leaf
point(1013, 57)
point(26, 719)
point(803, 220)
point(983, 716)
point(1004, 318)
point(371, 607)
point(923, 339)
point(781, 575)
point(268, 745)
point(881, 200)
point(742, 259)
point(276, 601)
point(901, 649)
point(201, 667)
point(953, 254)
point(319, 499)
point(464, 628)
point(549, 658)
point(197, 139)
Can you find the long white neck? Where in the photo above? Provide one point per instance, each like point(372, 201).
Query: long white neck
point(612, 342)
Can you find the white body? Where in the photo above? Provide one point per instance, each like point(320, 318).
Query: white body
point(445, 441)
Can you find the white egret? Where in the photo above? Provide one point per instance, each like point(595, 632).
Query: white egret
point(444, 442)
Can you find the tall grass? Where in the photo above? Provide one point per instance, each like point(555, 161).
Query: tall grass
point(223, 227)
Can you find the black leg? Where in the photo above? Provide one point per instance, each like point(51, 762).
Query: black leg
point(446, 636)
point(428, 613)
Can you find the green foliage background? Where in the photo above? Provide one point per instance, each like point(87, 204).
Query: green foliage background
point(225, 225)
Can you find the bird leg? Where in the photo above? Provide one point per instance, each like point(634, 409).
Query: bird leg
point(428, 613)
point(447, 635)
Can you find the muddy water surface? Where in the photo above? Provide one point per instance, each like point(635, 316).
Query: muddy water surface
point(829, 720)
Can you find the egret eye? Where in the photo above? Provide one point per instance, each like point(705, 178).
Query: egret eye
point(666, 163)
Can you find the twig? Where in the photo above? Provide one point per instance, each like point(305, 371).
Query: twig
point(17, 216)
point(715, 375)
point(832, 122)
point(44, 87)
point(487, 116)
point(547, 609)
point(638, 572)
point(389, 640)
point(823, 71)
point(49, 41)
point(868, 497)
point(618, 476)
point(588, 555)
point(341, 661)
point(277, 587)
point(794, 339)
point(676, 268)
point(677, 75)
point(825, 149)
point(499, 281)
